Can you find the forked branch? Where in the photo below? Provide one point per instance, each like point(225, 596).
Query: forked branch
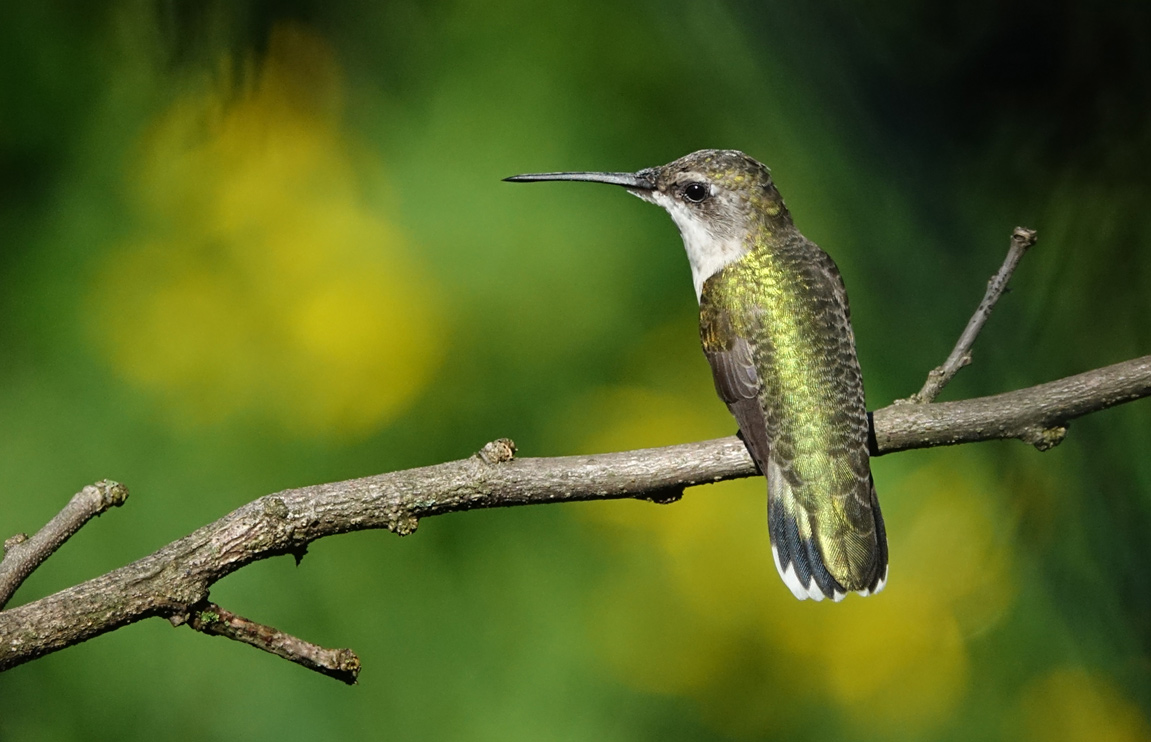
point(22, 554)
point(174, 582)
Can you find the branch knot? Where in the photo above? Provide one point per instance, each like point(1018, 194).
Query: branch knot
point(12, 542)
point(111, 494)
point(1044, 439)
point(498, 451)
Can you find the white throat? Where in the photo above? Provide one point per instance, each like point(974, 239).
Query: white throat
point(707, 253)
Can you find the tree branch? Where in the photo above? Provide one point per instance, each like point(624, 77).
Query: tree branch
point(1038, 415)
point(209, 618)
point(1021, 239)
point(22, 555)
point(173, 581)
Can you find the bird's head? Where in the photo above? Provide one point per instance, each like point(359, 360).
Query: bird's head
point(722, 201)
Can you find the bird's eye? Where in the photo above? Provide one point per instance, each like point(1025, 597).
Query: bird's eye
point(696, 192)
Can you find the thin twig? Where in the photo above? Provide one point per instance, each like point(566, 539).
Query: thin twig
point(175, 579)
point(22, 555)
point(1021, 239)
point(209, 618)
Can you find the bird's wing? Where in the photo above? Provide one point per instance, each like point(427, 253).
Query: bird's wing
point(845, 544)
point(736, 381)
point(803, 545)
point(790, 522)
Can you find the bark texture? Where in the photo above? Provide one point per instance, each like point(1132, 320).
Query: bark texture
point(174, 582)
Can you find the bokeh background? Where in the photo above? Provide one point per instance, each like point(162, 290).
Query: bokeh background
point(246, 246)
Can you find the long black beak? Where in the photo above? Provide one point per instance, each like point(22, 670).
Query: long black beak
point(635, 181)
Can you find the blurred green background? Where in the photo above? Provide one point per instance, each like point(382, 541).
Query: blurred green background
point(246, 246)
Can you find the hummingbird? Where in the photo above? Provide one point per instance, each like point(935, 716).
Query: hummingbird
point(776, 329)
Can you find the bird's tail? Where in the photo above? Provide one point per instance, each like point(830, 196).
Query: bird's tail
point(797, 551)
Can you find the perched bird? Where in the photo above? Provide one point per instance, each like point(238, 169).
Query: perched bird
point(776, 329)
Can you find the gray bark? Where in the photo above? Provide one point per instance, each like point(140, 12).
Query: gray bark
point(173, 581)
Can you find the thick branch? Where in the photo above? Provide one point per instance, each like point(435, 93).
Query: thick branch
point(1021, 239)
point(22, 555)
point(175, 579)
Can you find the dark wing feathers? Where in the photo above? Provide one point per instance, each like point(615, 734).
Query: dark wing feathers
point(737, 384)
